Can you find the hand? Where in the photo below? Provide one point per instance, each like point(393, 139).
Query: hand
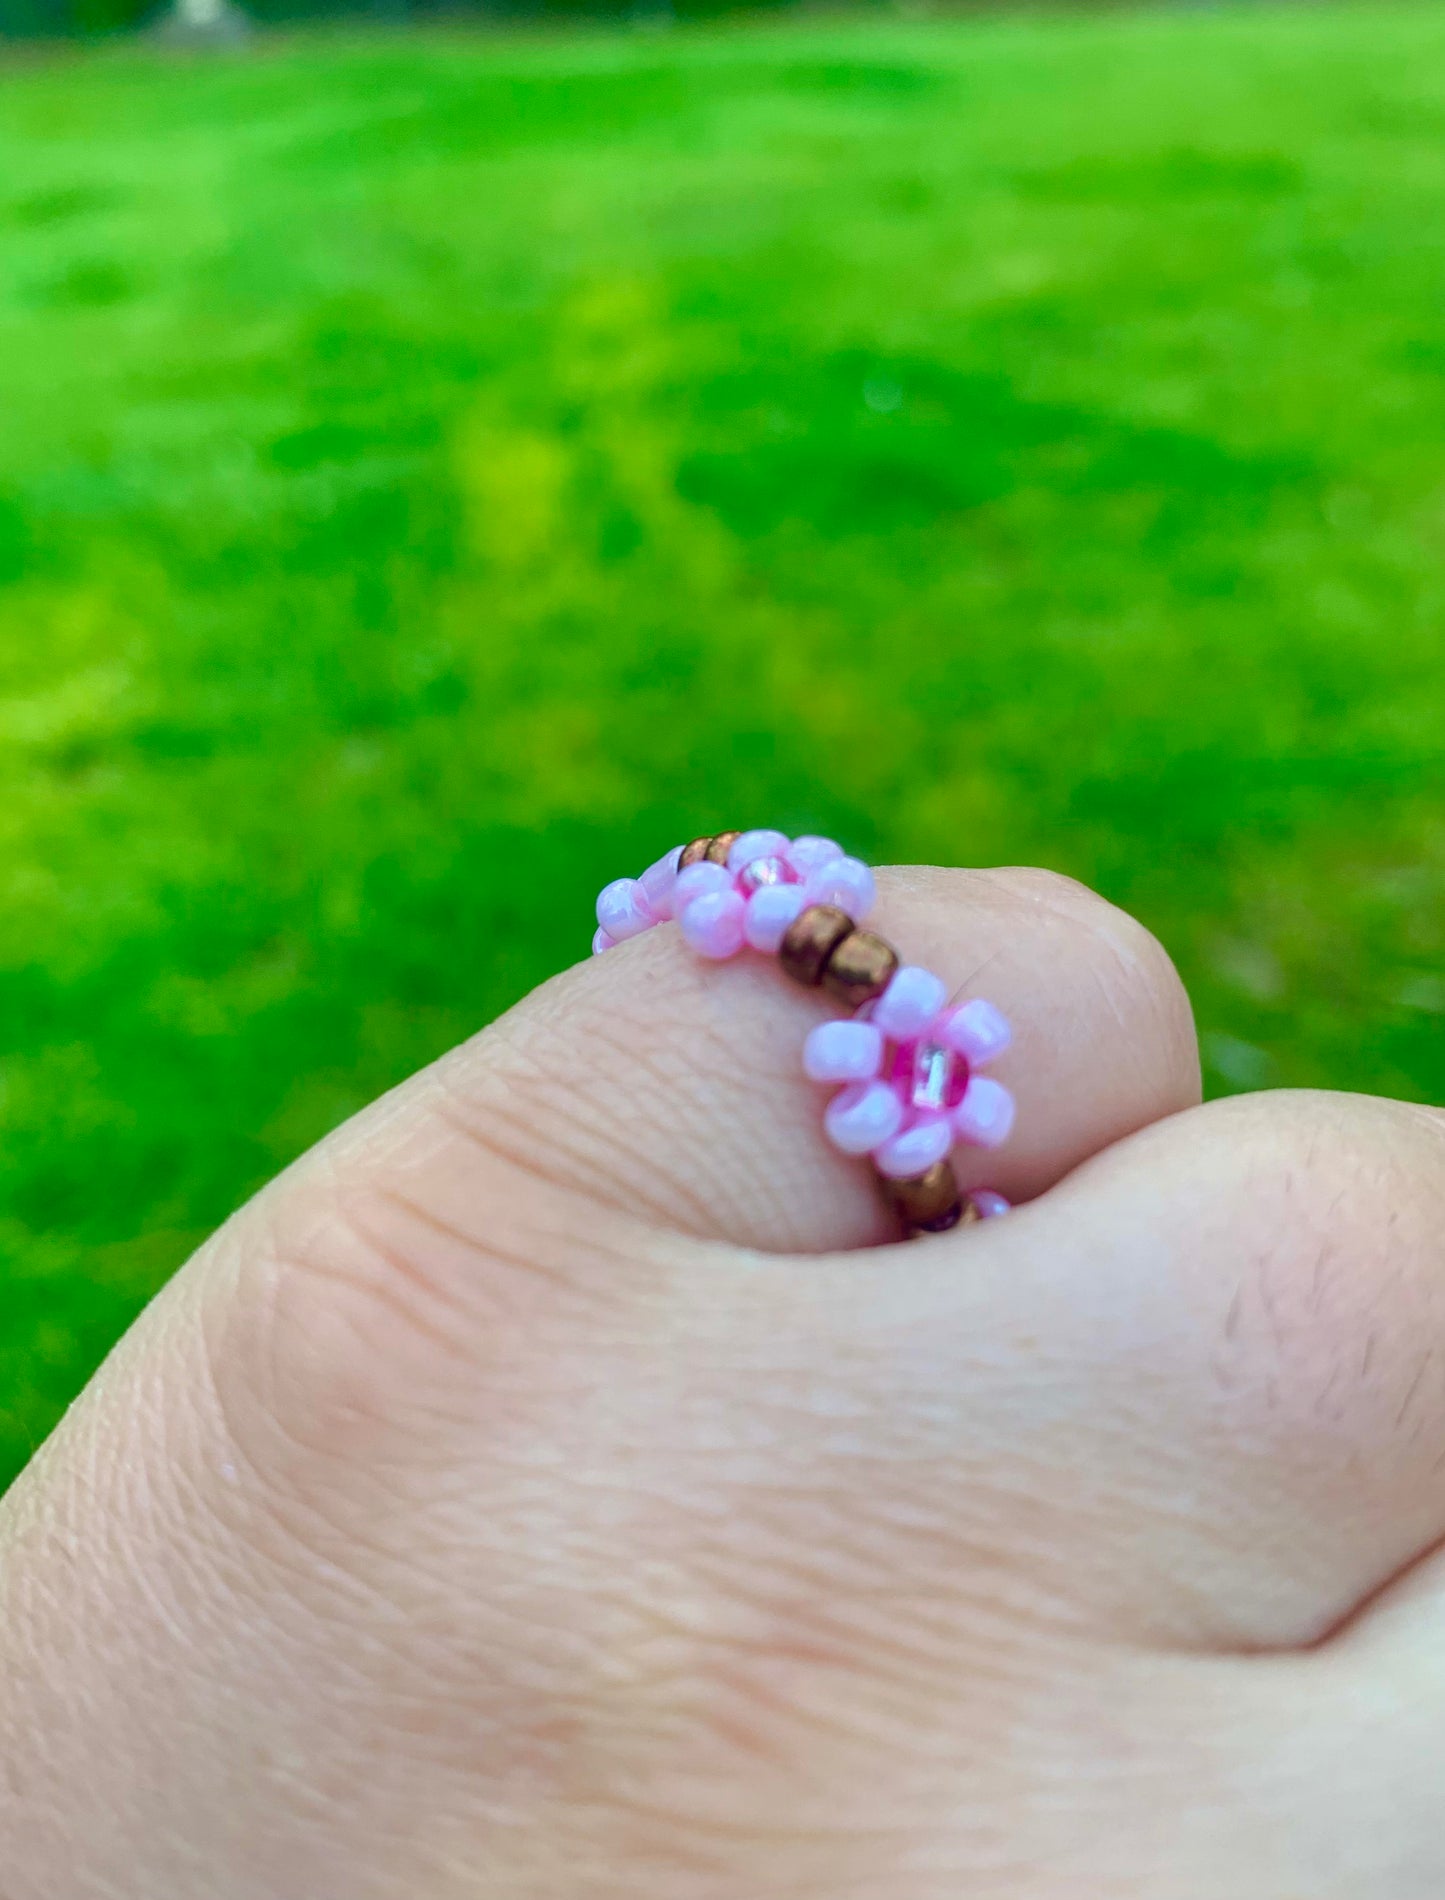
point(536, 1495)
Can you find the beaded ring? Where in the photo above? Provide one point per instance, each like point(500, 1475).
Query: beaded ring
point(907, 1058)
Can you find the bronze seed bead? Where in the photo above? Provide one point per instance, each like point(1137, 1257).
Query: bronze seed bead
point(717, 851)
point(694, 853)
point(810, 940)
point(929, 1203)
point(954, 1217)
point(860, 968)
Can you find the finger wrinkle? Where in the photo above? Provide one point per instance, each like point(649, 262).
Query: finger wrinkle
point(573, 1167)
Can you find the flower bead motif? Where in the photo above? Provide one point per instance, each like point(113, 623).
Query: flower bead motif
point(768, 881)
point(906, 1066)
point(910, 1064)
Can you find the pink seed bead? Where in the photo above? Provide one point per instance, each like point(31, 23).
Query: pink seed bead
point(910, 1003)
point(713, 923)
point(846, 882)
point(985, 1115)
point(843, 1052)
point(756, 844)
point(601, 941)
point(915, 1150)
point(623, 911)
point(862, 1117)
point(770, 910)
point(976, 1030)
point(809, 854)
point(696, 881)
point(657, 883)
point(989, 1204)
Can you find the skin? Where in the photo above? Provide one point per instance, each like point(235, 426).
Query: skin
point(535, 1493)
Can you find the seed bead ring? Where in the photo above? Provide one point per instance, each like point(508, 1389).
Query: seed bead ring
point(905, 1060)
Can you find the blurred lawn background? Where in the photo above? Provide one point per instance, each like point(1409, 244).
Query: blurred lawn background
point(437, 472)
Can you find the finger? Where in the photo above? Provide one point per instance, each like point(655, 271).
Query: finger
point(398, 1443)
point(1209, 1368)
point(652, 1083)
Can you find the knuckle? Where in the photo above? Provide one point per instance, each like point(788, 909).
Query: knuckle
point(309, 1342)
point(353, 1328)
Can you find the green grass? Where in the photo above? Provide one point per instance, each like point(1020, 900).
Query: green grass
point(437, 473)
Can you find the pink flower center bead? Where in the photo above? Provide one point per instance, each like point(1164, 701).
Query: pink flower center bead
point(927, 1075)
point(761, 873)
